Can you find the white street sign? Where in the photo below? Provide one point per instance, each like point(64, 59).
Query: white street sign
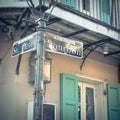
point(54, 44)
point(64, 46)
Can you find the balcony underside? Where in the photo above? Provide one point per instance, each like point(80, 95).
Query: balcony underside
point(84, 21)
point(69, 23)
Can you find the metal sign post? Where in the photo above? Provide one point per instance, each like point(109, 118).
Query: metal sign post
point(39, 79)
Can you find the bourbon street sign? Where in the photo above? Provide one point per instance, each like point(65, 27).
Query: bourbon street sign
point(63, 46)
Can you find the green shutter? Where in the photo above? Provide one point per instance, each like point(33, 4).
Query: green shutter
point(71, 3)
point(105, 11)
point(68, 97)
point(113, 100)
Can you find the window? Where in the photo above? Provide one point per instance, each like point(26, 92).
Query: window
point(86, 5)
point(49, 111)
point(70, 3)
point(105, 11)
point(86, 101)
point(81, 99)
point(90, 112)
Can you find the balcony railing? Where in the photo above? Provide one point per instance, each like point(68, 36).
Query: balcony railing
point(106, 11)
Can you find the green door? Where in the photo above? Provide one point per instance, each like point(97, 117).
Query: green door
point(68, 97)
point(105, 11)
point(113, 100)
point(71, 3)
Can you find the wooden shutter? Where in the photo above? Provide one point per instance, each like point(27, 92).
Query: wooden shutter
point(105, 11)
point(68, 97)
point(113, 100)
point(71, 3)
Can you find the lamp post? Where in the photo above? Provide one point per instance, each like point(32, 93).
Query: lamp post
point(40, 57)
point(39, 69)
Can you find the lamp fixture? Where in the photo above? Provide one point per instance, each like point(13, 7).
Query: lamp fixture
point(105, 49)
point(47, 69)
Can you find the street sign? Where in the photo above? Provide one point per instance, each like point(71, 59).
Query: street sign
point(24, 45)
point(64, 46)
point(54, 44)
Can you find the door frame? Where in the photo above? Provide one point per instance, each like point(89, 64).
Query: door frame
point(100, 95)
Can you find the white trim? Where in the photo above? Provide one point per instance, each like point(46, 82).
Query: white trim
point(89, 79)
point(100, 86)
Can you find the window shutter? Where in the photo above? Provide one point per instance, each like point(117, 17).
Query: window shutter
point(105, 11)
point(68, 97)
point(71, 3)
point(113, 100)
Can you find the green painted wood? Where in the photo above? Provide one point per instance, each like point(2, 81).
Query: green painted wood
point(71, 3)
point(113, 101)
point(68, 97)
point(105, 11)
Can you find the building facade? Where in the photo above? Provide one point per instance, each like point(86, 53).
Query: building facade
point(90, 93)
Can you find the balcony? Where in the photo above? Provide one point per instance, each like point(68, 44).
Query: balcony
point(105, 11)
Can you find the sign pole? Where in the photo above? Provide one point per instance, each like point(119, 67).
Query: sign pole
point(39, 77)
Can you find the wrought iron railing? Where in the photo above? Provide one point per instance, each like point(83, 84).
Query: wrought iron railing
point(106, 11)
